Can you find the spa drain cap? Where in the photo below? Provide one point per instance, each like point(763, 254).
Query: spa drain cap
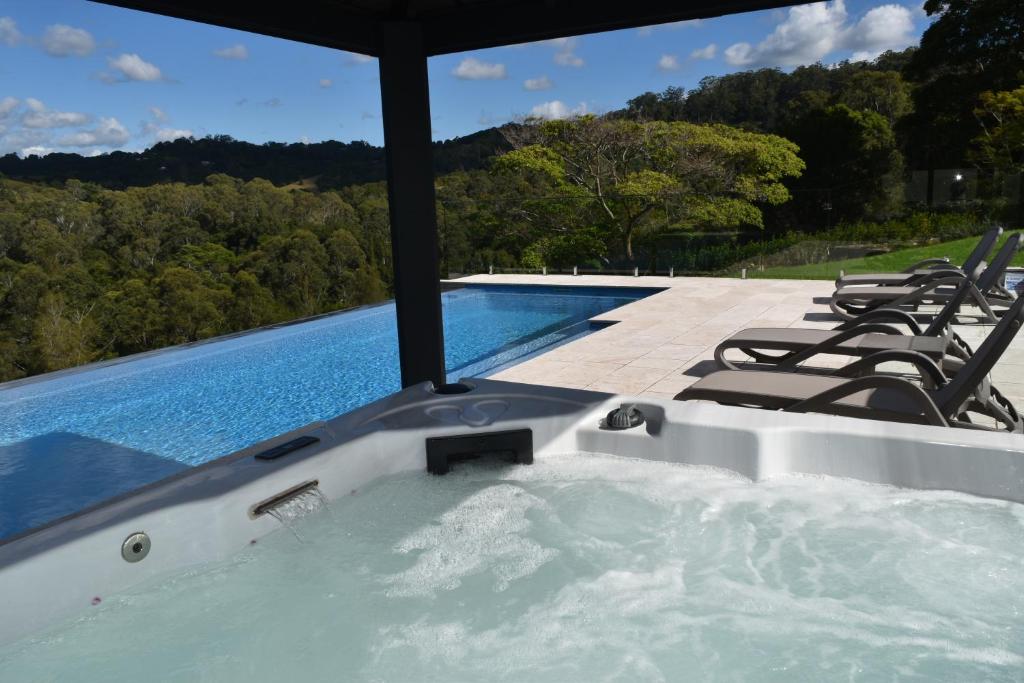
point(135, 547)
point(625, 417)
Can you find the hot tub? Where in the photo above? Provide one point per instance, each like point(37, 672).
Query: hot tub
point(708, 541)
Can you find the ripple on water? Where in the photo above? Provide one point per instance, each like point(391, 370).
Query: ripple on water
point(585, 567)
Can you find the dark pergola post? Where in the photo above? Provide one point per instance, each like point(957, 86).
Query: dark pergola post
point(407, 141)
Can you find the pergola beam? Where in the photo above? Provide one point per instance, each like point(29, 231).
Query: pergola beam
point(445, 29)
point(307, 21)
point(476, 27)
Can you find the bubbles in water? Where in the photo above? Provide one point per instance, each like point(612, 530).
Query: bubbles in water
point(487, 531)
point(584, 567)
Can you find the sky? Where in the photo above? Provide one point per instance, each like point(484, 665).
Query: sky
point(82, 77)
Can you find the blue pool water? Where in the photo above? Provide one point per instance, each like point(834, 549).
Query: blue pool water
point(75, 439)
point(1015, 280)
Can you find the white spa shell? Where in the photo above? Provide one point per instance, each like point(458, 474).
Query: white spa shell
point(204, 515)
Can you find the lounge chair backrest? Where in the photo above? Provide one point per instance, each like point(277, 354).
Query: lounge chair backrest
point(981, 252)
point(950, 397)
point(949, 311)
point(990, 278)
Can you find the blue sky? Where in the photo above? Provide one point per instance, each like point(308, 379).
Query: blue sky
point(81, 77)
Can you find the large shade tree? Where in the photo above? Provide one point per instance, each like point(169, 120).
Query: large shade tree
point(633, 178)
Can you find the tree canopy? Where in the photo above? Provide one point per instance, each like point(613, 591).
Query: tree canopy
point(644, 176)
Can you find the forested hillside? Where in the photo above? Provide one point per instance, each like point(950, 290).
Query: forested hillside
point(89, 273)
point(331, 165)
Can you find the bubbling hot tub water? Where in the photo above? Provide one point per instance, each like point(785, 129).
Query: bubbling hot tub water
point(582, 567)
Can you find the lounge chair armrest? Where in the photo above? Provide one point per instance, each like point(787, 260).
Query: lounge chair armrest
point(926, 263)
point(939, 273)
point(883, 314)
point(820, 402)
point(791, 363)
point(926, 366)
point(925, 286)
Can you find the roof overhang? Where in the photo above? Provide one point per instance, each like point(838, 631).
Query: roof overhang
point(447, 25)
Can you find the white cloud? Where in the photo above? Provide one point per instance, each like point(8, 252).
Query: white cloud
point(38, 150)
point(238, 51)
point(355, 59)
point(739, 54)
point(707, 52)
point(473, 69)
point(20, 139)
point(542, 83)
point(689, 23)
point(134, 68)
point(566, 55)
point(810, 32)
point(109, 133)
point(326, 83)
point(61, 40)
point(887, 27)
point(9, 34)
point(168, 134)
point(158, 113)
point(7, 105)
point(556, 109)
point(38, 116)
point(668, 63)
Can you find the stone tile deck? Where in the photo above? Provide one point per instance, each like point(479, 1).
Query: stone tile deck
point(665, 342)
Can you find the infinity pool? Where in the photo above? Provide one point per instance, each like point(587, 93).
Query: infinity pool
point(581, 567)
point(77, 438)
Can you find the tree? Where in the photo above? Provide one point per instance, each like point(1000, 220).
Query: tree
point(193, 310)
point(639, 175)
point(853, 164)
point(294, 268)
point(669, 105)
point(971, 47)
point(1000, 146)
point(1001, 142)
point(251, 304)
point(132, 317)
point(64, 336)
point(351, 279)
point(883, 92)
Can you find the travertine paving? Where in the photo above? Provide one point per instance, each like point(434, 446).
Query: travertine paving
point(662, 344)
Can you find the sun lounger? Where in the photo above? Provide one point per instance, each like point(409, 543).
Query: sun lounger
point(927, 267)
point(943, 401)
point(986, 292)
point(870, 333)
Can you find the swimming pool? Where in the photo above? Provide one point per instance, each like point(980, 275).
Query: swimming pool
point(74, 439)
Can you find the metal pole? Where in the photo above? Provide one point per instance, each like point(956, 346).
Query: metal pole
point(405, 104)
point(636, 271)
point(575, 270)
point(672, 271)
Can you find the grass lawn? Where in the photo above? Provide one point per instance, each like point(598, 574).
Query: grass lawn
point(894, 261)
